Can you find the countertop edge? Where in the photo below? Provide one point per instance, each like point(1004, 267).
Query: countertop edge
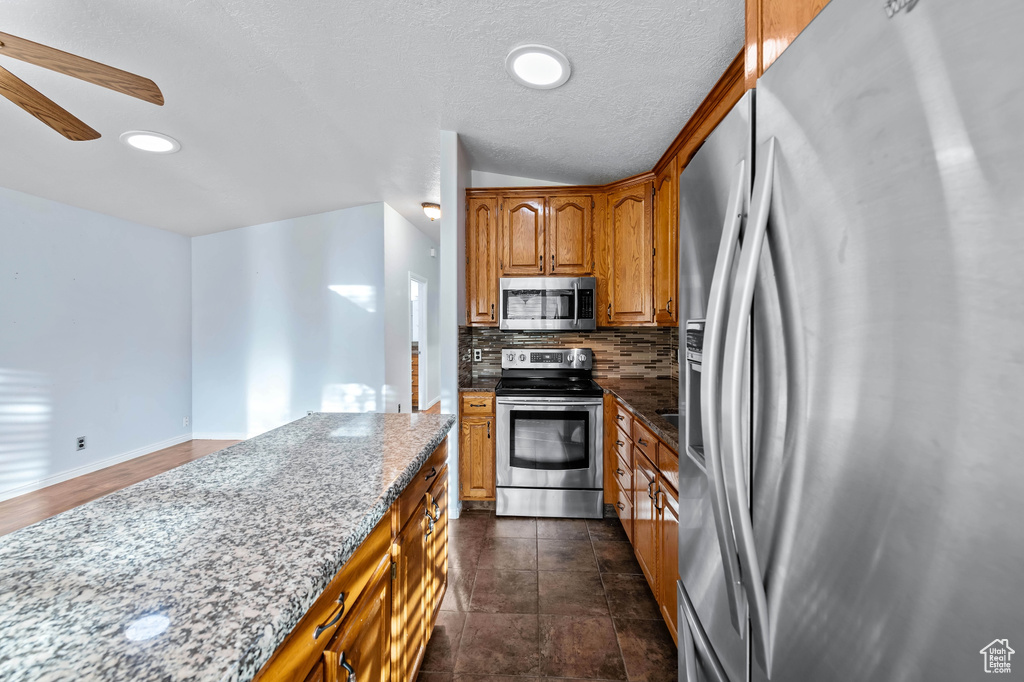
point(274, 634)
point(659, 431)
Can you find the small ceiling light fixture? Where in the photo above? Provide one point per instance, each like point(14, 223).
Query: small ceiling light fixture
point(433, 211)
point(537, 66)
point(148, 141)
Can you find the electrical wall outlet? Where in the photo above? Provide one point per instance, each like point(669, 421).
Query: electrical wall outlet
point(80, 443)
point(184, 422)
point(478, 355)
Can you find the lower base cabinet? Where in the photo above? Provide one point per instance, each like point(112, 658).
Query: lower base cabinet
point(373, 621)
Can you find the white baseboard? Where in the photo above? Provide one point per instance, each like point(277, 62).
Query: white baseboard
point(218, 435)
point(89, 468)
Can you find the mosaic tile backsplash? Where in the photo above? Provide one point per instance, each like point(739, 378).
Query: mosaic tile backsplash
point(619, 353)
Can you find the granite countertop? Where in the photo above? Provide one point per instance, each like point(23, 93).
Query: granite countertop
point(645, 398)
point(200, 573)
point(480, 384)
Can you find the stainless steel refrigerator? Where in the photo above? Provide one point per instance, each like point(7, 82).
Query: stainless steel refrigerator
point(858, 513)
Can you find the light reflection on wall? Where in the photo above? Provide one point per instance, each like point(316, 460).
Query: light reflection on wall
point(363, 295)
point(25, 416)
point(348, 398)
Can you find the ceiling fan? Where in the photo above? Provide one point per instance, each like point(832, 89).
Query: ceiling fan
point(48, 111)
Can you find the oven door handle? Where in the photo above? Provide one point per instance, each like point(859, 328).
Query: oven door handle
point(551, 402)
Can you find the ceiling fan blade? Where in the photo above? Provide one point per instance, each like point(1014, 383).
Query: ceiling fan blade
point(80, 67)
point(43, 108)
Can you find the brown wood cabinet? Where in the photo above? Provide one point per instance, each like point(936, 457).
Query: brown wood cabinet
point(630, 251)
point(362, 649)
point(770, 27)
point(374, 619)
point(570, 240)
point(477, 438)
point(666, 246)
point(645, 500)
point(482, 260)
point(668, 554)
point(522, 236)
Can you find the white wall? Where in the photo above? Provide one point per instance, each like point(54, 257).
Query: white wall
point(271, 339)
point(455, 177)
point(407, 250)
point(485, 179)
point(94, 340)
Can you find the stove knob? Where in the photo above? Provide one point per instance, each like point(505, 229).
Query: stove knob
point(572, 358)
point(582, 357)
point(522, 358)
point(511, 357)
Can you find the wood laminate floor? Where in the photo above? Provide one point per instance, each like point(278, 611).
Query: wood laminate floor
point(33, 507)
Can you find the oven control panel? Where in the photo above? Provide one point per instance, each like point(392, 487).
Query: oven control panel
point(547, 358)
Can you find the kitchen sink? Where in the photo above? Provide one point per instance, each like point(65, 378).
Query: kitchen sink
point(671, 417)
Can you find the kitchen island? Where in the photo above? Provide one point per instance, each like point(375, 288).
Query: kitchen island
point(202, 572)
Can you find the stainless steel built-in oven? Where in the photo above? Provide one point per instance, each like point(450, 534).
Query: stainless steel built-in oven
point(548, 303)
point(550, 419)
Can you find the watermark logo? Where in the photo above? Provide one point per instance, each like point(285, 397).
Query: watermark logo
point(997, 656)
point(893, 7)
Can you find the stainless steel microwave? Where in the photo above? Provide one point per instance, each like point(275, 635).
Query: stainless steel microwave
point(548, 303)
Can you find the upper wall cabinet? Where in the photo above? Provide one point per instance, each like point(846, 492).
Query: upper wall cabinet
point(666, 245)
point(630, 250)
point(482, 260)
point(522, 236)
point(569, 235)
point(771, 26)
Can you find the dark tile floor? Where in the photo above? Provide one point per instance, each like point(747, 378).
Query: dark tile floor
point(546, 598)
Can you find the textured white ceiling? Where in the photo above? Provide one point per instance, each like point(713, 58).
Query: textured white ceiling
point(292, 108)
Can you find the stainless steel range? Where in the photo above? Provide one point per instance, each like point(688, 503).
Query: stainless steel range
point(550, 423)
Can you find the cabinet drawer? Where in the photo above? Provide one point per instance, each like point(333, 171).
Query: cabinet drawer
point(621, 446)
point(644, 440)
point(624, 477)
point(298, 655)
point(417, 488)
point(668, 464)
point(622, 417)
point(477, 404)
point(624, 508)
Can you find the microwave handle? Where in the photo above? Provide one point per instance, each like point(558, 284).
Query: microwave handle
point(575, 304)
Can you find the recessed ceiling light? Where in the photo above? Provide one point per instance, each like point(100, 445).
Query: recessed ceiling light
point(537, 66)
point(148, 141)
point(432, 211)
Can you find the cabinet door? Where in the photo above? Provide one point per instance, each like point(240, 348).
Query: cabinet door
point(668, 555)
point(410, 604)
point(570, 235)
point(630, 251)
point(476, 458)
point(522, 236)
point(666, 246)
point(645, 517)
point(361, 649)
point(482, 261)
point(438, 544)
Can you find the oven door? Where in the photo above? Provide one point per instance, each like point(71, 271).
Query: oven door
point(547, 303)
point(550, 442)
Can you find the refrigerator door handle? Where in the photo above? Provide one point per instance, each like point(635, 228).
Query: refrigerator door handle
point(710, 398)
point(732, 407)
point(695, 641)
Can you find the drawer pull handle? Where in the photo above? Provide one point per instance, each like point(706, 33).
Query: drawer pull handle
point(619, 417)
point(621, 506)
point(492, 311)
point(433, 472)
point(437, 511)
point(619, 443)
point(347, 667)
point(430, 524)
point(475, 405)
point(320, 629)
point(620, 472)
point(650, 493)
point(488, 429)
point(643, 442)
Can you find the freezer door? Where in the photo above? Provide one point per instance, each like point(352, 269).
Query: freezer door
point(887, 512)
point(707, 184)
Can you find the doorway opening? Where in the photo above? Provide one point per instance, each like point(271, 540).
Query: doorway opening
point(418, 339)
